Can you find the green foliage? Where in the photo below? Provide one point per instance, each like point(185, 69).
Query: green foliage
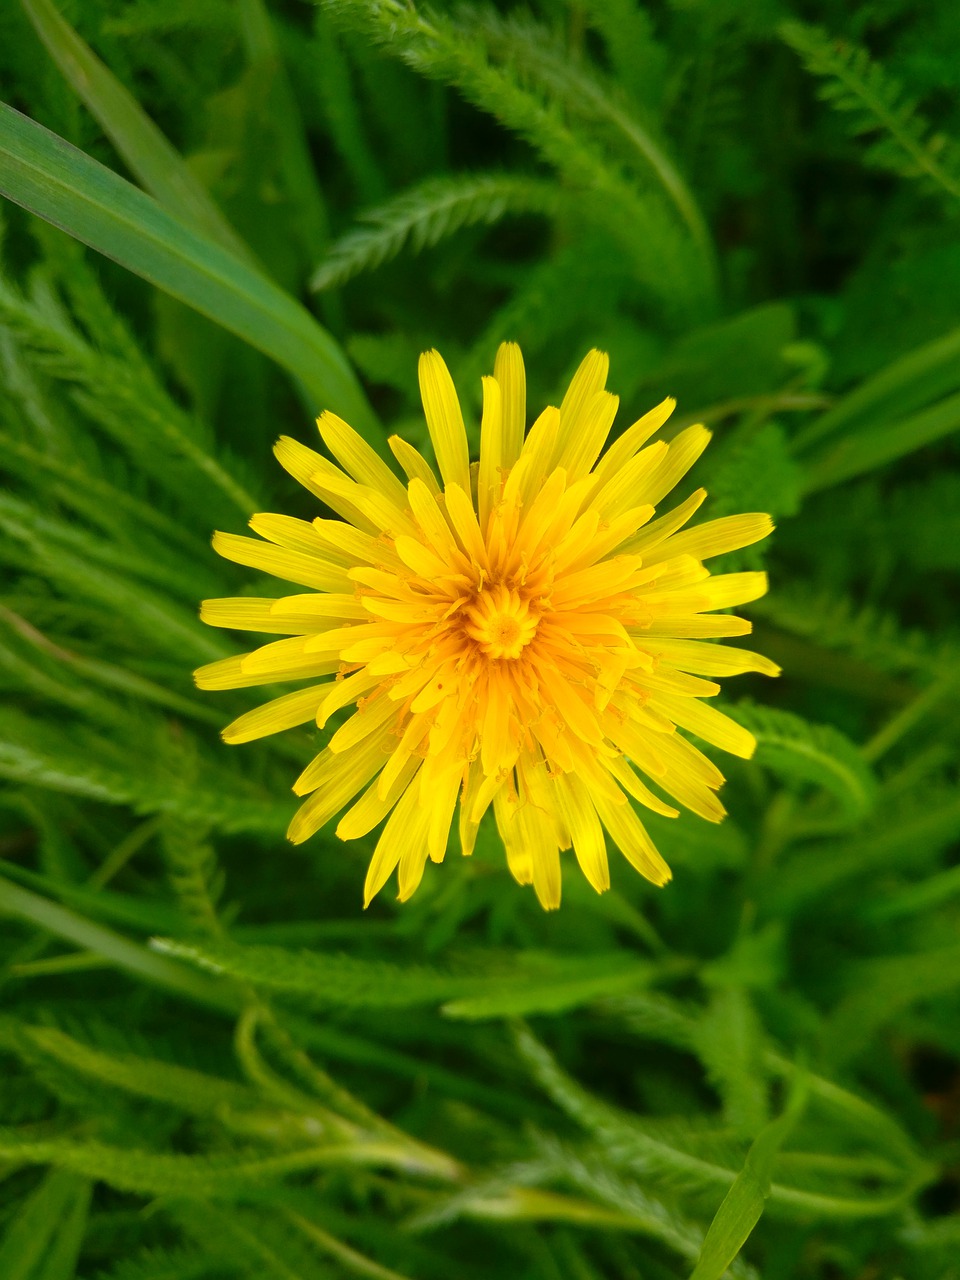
point(31, 1246)
point(550, 984)
point(463, 54)
point(68, 188)
point(797, 751)
point(213, 1064)
point(428, 214)
point(875, 103)
point(744, 1202)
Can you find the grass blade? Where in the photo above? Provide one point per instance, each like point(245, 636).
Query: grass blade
point(868, 449)
point(156, 165)
point(59, 183)
point(743, 1204)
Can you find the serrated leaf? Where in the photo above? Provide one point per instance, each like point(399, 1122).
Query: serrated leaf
point(422, 216)
point(876, 104)
point(528, 996)
point(729, 1043)
point(798, 751)
point(524, 983)
point(881, 988)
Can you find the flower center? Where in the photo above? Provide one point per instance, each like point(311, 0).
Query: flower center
point(501, 622)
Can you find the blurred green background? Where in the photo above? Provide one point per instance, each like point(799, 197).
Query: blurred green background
point(212, 1063)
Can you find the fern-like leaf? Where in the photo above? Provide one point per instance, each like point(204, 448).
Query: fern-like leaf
point(876, 105)
point(643, 223)
point(550, 982)
point(195, 875)
point(595, 1176)
point(729, 1041)
point(165, 1264)
point(836, 622)
point(423, 216)
point(529, 50)
point(798, 751)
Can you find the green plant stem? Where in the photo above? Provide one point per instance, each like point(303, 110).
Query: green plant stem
point(907, 718)
point(118, 951)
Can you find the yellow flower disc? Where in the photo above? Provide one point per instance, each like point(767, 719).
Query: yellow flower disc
point(522, 633)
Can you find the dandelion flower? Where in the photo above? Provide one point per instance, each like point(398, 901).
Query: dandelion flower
point(520, 633)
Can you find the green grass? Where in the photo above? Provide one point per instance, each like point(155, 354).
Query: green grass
point(213, 1064)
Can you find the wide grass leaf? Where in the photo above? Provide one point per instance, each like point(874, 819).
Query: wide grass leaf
point(30, 1232)
point(155, 163)
point(60, 183)
point(743, 1204)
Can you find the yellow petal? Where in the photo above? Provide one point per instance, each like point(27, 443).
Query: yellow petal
point(492, 473)
point(707, 723)
point(439, 788)
point(666, 680)
point(287, 712)
point(330, 772)
point(708, 659)
point(630, 837)
point(703, 626)
point(512, 379)
point(302, 463)
point(615, 535)
point(247, 613)
point(573, 710)
point(538, 826)
point(295, 535)
point(581, 449)
point(625, 487)
point(444, 420)
point(413, 463)
point(728, 589)
point(417, 728)
point(334, 781)
point(291, 566)
point(715, 537)
point(545, 860)
point(432, 522)
point(413, 858)
point(228, 673)
point(519, 858)
point(580, 817)
point(358, 459)
point(658, 530)
point(590, 378)
point(405, 833)
point(360, 504)
point(684, 450)
point(287, 660)
point(463, 520)
point(527, 477)
point(320, 608)
point(688, 776)
point(372, 808)
point(344, 691)
point(370, 715)
point(421, 559)
point(633, 439)
point(634, 787)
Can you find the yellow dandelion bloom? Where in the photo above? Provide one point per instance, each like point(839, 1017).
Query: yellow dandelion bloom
point(520, 633)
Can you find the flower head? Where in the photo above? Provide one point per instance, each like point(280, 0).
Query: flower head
point(522, 633)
